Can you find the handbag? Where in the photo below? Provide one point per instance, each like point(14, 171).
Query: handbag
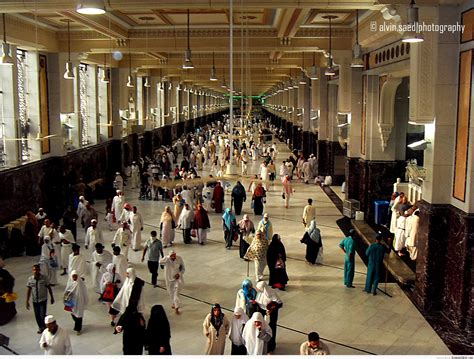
point(306, 238)
point(283, 195)
point(110, 292)
point(53, 262)
point(68, 302)
point(193, 233)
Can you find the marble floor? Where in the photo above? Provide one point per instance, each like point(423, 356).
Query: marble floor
point(349, 321)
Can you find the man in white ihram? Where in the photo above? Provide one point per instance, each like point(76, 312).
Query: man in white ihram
point(174, 270)
point(54, 340)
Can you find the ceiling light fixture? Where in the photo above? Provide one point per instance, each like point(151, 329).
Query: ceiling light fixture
point(188, 63)
point(313, 75)
point(303, 76)
point(357, 60)
point(213, 70)
point(330, 71)
point(147, 82)
point(224, 85)
point(105, 72)
point(130, 82)
point(90, 7)
point(6, 58)
point(69, 74)
point(413, 34)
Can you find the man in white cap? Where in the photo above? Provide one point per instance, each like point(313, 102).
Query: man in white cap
point(93, 235)
point(54, 340)
point(174, 270)
point(123, 239)
point(117, 205)
point(118, 182)
point(135, 175)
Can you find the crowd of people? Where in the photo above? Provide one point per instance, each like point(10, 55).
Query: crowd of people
point(252, 326)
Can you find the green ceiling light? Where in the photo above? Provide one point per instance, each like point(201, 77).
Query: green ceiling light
point(91, 7)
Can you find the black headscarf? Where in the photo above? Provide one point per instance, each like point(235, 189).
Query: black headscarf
point(275, 249)
point(217, 321)
point(158, 323)
point(238, 190)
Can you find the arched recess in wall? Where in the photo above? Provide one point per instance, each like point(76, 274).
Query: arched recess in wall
point(387, 104)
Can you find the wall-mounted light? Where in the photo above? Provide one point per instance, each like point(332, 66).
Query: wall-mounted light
point(419, 145)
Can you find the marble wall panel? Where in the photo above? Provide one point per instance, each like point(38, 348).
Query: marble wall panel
point(431, 260)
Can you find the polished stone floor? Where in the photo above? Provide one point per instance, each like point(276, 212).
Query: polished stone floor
point(350, 321)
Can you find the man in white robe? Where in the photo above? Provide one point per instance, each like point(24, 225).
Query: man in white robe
point(99, 261)
point(135, 175)
point(77, 261)
point(126, 213)
point(118, 182)
point(93, 235)
point(54, 340)
point(400, 236)
point(136, 221)
point(117, 205)
point(309, 213)
point(412, 234)
point(174, 270)
point(123, 239)
point(67, 239)
point(120, 262)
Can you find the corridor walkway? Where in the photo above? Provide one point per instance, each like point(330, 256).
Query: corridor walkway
point(349, 321)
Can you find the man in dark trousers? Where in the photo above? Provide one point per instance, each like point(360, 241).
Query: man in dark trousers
point(375, 254)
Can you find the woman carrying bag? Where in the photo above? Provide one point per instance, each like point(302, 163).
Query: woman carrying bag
point(109, 287)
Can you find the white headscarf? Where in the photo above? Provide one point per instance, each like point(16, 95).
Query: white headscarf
point(78, 291)
point(108, 276)
point(237, 325)
point(265, 294)
point(123, 297)
point(254, 345)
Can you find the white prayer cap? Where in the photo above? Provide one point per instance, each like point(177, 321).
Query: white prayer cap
point(117, 173)
point(41, 209)
point(49, 319)
point(171, 252)
point(118, 191)
point(265, 215)
point(94, 221)
point(81, 198)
